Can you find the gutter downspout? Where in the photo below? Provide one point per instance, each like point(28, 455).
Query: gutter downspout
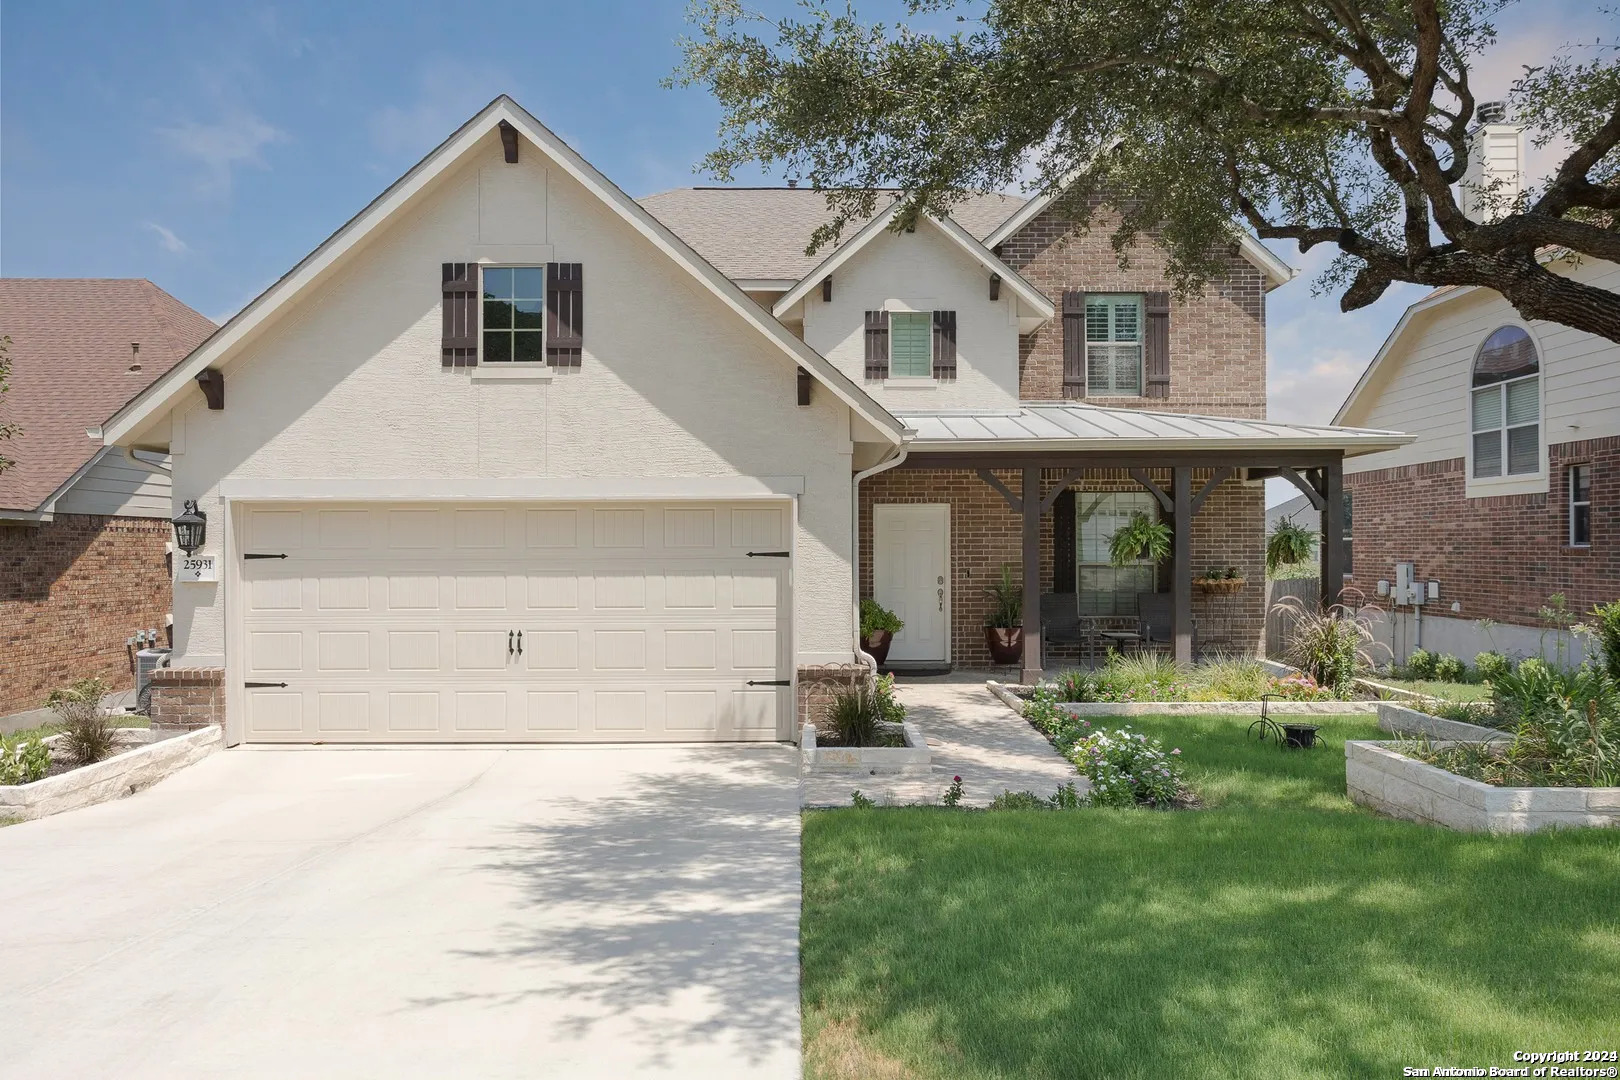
point(855, 548)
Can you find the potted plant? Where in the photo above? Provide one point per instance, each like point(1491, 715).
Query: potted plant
point(1139, 538)
point(1288, 545)
point(1004, 628)
point(1216, 580)
point(878, 627)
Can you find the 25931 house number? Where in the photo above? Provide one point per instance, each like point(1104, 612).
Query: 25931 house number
point(196, 568)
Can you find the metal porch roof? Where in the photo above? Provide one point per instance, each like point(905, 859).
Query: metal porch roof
point(1077, 426)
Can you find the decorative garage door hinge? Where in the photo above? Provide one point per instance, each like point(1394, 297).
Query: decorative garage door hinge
point(768, 554)
point(257, 685)
point(258, 555)
point(770, 682)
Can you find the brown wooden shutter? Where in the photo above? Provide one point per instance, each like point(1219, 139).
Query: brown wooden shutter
point(1074, 344)
point(460, 314)
point(1156, 345)
point(1063, 543)
point(877, 344)
point(944, 344)
point(565, 314)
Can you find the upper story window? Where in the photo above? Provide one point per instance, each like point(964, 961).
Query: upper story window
point(911, 344)
point(1505, 405)
point(513, 316)
point(1113, 344)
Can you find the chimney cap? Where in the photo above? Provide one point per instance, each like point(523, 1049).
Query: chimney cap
point(1493, 112)
point(793, 182)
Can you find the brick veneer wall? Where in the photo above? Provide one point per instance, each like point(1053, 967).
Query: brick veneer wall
point(188, 697)
point(72, 591)
point(1502, 556)
point(1217, 340)
point(985, 534)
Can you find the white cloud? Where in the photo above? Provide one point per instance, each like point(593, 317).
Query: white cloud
point(167, 239)
point(220, 147)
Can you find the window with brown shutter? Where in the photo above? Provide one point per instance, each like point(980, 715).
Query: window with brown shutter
point(565, 311)
point(1074, 344)
point(1156, 351)
point(460, 346)
point(877, 344)
point(944, 344)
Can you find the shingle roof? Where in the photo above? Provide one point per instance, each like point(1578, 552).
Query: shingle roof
point(1094, 427)
point(750, 232)
point(71, 357)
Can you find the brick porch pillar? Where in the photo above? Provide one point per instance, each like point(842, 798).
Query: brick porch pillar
point(184, 699)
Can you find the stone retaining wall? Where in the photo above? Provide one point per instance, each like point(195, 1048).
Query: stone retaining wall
point(1399, 720)
point(113, 778)
point(1379, 777)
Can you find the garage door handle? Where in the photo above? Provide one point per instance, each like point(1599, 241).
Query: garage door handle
point(257, 685)
point(520, 643)
point(770, 682)
point(259, 555)
point(768, 554)
point(509, 644)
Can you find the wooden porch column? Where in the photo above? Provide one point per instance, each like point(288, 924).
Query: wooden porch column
point(1332, 545)
point(1031, 499)
point(1181, 564)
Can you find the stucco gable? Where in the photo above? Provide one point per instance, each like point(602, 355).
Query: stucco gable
point(318, 270)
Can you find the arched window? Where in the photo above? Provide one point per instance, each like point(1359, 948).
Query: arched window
point(1506, 405)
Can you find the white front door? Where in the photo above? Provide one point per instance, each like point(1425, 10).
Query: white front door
point(909, 572)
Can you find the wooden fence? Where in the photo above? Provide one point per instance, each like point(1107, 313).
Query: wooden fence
point(1309, 591)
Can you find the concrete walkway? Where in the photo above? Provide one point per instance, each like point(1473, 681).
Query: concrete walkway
point(478, 912)
point(972, 735)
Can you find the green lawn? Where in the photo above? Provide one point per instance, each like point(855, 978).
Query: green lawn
point(1448, 691)
point(1280, 932)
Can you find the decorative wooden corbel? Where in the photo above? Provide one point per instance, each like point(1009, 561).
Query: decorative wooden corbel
point(212, 382)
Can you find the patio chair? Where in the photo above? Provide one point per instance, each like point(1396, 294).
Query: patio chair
point(1156, 614)
point(1060, 621)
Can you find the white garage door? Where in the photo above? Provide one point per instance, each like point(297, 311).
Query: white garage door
point(532, 623)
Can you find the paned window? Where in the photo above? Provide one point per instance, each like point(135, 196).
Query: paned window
point(1106, 589)
point(1580, 506)
point(514, 314)
point(1505, 405)
point(1113, 345)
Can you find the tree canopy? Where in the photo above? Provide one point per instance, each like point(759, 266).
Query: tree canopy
point(1342, 122)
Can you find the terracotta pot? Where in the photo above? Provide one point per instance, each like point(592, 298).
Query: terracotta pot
point(1006, 644)
point(877, 643)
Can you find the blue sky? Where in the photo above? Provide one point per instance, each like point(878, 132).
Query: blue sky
point(210, 146)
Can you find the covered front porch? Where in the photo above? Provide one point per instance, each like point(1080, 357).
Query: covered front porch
point(1038, 493)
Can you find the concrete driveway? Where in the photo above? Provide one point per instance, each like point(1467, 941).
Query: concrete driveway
point(471, 912)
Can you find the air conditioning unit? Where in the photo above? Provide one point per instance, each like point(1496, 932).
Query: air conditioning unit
point(146, 662)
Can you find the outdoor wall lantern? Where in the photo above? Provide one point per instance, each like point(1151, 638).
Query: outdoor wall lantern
point(191, 528)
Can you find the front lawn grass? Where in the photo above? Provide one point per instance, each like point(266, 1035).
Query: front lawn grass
point(1280, 932)
point(1446, 691)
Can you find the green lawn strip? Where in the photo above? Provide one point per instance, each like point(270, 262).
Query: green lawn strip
point(1282, 931)
point(1449, 691)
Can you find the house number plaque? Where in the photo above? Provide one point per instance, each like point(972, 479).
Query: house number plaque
point(197, 568)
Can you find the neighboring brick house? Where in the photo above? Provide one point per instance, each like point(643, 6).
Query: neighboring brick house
point(84, 528)
point(1510, 492)
point(1029, 346)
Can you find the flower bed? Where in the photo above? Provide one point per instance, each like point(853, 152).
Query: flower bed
point(140, 766)
point(911, 756)
point(1125, 767)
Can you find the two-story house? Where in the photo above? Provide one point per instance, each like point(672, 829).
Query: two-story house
point(514, 456)
point(1505, 498)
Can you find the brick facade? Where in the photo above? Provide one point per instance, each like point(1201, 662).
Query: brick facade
point(985, 534)
point(1502, 556)
point(1217, 340)
point(188, 697)
point(72, 591)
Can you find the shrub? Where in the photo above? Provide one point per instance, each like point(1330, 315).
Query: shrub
point(1143, 676)
point(1059, 725)
point(22, 761)
point(1127, 768)
point(875, 617)
point(1066, 798)
point(889, 708)
point(88, 734)
point(1231, 678)
point(1606, 624)
point(1332, 644)
point(1075, 686)
point(1448, 668)
point(1299, 687)
point(854, 715)
point(1420, 665)
point(1491, 665)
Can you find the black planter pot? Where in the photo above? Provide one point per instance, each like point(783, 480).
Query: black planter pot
point(1006, 644)
point(877, 643)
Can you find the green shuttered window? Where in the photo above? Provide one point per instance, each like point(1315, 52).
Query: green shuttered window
point(911, 344)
